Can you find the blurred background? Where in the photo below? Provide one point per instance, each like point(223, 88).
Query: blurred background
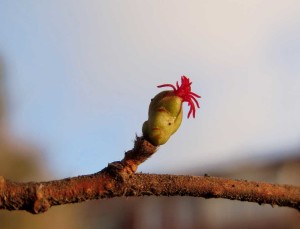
point(77, 78)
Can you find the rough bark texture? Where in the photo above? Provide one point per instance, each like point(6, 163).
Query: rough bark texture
point(119, 179)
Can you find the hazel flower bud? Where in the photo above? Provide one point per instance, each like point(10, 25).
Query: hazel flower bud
point(165, 111)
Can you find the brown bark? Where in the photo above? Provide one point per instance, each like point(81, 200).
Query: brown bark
point(119, 179)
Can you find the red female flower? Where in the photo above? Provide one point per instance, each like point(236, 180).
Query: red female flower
point(184, 91)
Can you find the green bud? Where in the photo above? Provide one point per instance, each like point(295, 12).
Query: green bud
point(164, 117)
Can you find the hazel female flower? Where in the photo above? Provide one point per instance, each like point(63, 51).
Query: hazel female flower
point(165, 111)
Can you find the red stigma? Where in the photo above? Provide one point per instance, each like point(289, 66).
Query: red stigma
point(184, 92)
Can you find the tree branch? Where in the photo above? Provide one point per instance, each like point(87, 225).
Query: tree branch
point(119, 179)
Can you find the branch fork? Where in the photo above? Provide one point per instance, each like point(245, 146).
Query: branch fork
point(119, 179)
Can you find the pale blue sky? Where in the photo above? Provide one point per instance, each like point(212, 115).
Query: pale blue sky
point(80, 75)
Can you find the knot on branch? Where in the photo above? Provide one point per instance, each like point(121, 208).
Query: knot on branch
point(41, 204)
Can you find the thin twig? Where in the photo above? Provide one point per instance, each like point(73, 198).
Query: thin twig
point(119, 179)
